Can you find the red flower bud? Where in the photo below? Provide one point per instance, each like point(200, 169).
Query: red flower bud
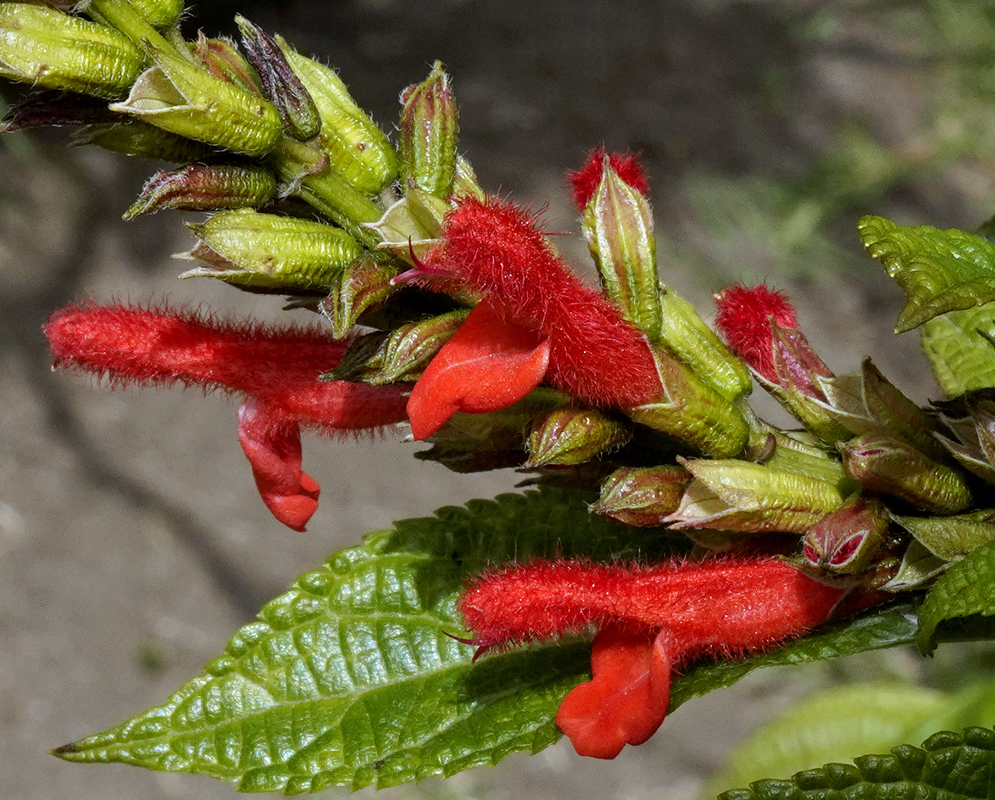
point(744, 318)
point(585, 180)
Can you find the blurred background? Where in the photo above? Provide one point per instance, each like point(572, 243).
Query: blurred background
point(132, 541)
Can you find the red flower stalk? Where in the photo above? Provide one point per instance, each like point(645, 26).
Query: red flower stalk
point(497, 250)
point(585, 181)
point(651, 620)
point(276, 368)
point(744, 317)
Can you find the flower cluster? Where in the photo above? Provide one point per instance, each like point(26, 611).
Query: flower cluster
point(440, 306)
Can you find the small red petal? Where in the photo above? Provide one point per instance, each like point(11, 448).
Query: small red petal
point(627, 697)
point(273, 447)
point(744, 316)
point(586, 180)
point(489, 364)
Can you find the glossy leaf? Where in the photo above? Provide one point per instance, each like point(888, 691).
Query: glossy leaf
point(939, 270)
point(949, 766)
point(966, 589)
point(351, 678)
point(960, 348)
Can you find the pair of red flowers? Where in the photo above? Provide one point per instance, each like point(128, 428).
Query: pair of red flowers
point(537, 322)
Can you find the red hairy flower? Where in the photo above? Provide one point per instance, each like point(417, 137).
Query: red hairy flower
point(744, 318)
point(585, 181)
point(650, 621)
point(497, 249)
point(276, 368)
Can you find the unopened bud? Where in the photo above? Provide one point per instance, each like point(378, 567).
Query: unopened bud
point(952, 538)
point(357, 150)
point(399, 355)
point(733, 495)
point(693, 342)
point(54, 108)
point(134, 138)
point(360, 287)
point(223, 60)
point(890, 466)
point(281, 85)
point(848, 539)
point(618, 226)
point(182, 98)
point(159, 13)
point(428, 132)
point(50, 49)
point(692, 412)
point(570, 435)
point(205, 187)
point(643, 497)
point(268, 251)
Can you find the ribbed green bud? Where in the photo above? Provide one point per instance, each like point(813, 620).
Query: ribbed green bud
point(847, 540)
point(399, 355)
point(429, 129)
point(223, 59)
point(268, 251)
point(357, 150)
point(281, 85)
point(570, 435)
point(733, 495)
point(952, 538)
point(892, 467)
point(139, 139)
point(693, 342)
point(693, 412)
point(159, 13)
point(50, 49)
point(868, 402)
point(643, 497)
point(796, 452)
point(180, 97)
point(127, 17)
point(618, 226)
point(205, 187)
point(360, 287)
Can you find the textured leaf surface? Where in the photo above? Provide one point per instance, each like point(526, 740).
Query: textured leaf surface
point(350, 678)
point(939, 270)
point(948, 766)
point(966, 589)
point(960, 348)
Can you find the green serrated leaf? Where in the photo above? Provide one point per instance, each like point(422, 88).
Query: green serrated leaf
point(939, 270)
point(350, 678)
point(960, 347)
point(949, 766)
point(966, 589)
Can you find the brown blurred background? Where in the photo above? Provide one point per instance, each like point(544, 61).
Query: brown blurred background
point(132, 542)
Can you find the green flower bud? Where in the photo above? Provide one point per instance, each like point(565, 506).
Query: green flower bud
point(692, 412)
point(135, 138)
point(50, 49)
point(399, 355)
point(428, 131)
point(569, 436)
point(847, 540)
point(643, 497)
point(733, 495)
point(360, 287)
point(796, 452)
point(267, 251)
point(159, 13)
point(178, 96)
point(357, 149)
point(222, 59)
point(618, 226)
point(128, 17)
point(280, 85)
point(952, 538)
point(868, 402)
point(205, 187)
point(890, 466)
point(693, 342)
